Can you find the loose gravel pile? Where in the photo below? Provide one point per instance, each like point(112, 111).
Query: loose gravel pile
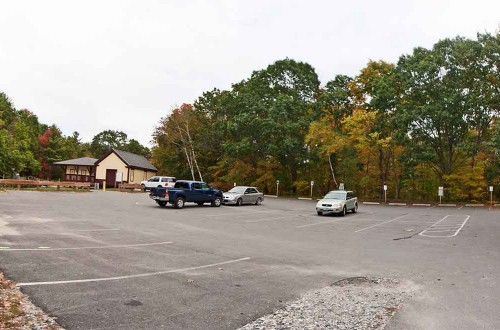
point(353, 303)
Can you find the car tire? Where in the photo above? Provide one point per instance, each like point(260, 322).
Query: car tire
point(355, 209)
point(319, 212)
point(239, 201)
point(344, 211)
point(217, 202)
point(162, 203)
point(258, 201)
point(179, 202)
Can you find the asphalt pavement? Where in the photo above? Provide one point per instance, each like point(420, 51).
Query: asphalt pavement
point(110, 260)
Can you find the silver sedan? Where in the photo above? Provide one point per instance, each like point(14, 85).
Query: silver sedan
point(337, 201)
point(243, 195)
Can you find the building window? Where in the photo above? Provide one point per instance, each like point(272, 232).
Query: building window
point(72, 171)
point(132, 175)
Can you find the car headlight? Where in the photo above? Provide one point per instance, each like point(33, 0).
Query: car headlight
point(336, 205)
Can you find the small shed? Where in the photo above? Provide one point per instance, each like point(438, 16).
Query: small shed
point(79, 169)
point(118, 166)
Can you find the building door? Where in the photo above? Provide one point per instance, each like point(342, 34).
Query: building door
point(111, 178)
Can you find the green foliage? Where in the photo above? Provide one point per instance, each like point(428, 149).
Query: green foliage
point(449, 97)
point(105, 140)
point(432, 119)
point(18, 131)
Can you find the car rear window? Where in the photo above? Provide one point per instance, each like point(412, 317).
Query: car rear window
point(181, 185)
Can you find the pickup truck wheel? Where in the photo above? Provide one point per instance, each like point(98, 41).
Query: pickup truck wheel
point(162, 204)
point(355, 209)
point(217, 202)
point(179, 203)
point(239, 202)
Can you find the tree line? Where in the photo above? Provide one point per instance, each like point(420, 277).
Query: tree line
point(29, 148)
point(429, 120)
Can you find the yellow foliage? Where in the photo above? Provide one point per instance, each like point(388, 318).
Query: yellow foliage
point(467, 181)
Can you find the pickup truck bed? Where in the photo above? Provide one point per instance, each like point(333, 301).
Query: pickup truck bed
point(186, 191)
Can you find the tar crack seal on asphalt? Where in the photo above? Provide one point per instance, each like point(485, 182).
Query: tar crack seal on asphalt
point(351, 303)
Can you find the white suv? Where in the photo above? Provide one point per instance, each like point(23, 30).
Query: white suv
point(158, 181)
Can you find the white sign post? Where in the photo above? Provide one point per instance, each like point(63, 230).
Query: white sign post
point(312, 184)
point(491, 196)
point(440, 193)
point(385, 193)
point(277, 187)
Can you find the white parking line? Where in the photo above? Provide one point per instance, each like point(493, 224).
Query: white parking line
point(439, 226)
point(241, 213)
point(86, 247)
point(326, 222)
point(91, 230)
point(35, 210)
point(133, 276)
point(283, 217)
point(382, 223)
point(270, 219)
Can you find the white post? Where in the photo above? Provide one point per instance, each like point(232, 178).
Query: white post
point(491, 196)
point(312, 185)
point(385, 193)
point(277, 187)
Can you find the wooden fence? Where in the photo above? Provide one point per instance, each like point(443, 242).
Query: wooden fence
point(129, 186)
point(44, 183)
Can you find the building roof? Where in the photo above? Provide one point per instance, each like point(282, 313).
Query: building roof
point(83, 161)
point(130, 159)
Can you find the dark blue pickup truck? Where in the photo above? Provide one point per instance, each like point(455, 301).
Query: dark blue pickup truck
point(186, 191)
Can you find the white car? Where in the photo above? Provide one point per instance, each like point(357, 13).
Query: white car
point(337, 201)
point(158, 181)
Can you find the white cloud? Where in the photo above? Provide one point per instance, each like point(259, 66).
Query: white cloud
point(96, 65)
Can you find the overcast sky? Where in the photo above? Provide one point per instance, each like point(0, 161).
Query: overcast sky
point(89, 66)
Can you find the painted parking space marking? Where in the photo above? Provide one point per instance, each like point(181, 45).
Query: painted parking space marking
point(115, 278)
point(92, 230)
point(326, 222)
point(448, 226)
point(87, 247)
point(382, 223)
point(291, 216)
point(240, 213)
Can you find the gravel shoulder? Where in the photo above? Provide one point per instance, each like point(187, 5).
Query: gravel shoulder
point(353, 303)
point(18, 312)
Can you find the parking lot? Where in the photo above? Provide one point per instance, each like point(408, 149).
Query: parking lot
point(109, 260)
